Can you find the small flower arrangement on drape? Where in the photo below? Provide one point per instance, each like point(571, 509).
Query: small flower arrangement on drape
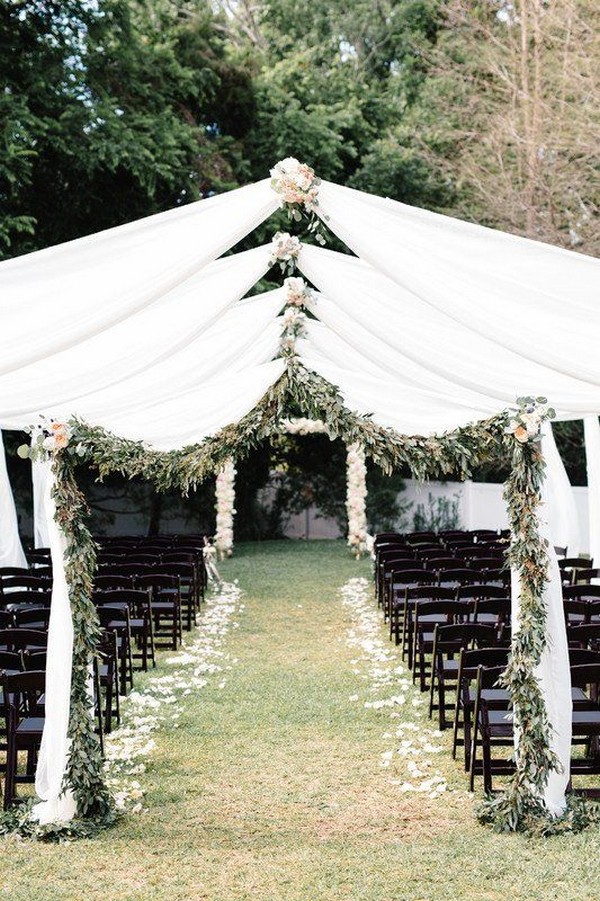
point(225, 501)
point(297, 292)
point(297, 185)
point(526, 422)
point(285, 249)
point(356, 499)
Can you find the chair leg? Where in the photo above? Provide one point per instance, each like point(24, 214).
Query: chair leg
point(422, 668)
point(486, 755)
point(151, 638)
point(441, 704)
point(455, 724)
point(473, 759)
point(469, 730)
point(11, 767)
point(432, 688)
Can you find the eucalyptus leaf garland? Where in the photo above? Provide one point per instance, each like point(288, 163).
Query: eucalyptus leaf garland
point(84, 773)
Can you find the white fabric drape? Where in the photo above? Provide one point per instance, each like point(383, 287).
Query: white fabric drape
point(425, 346)
point(55, 805)
point(591, 428)
point(485, 280)
point(169, 340)
point(39, 477)
point(11, 549)
point(399, 316)
point(560, 500)
point(55, 298)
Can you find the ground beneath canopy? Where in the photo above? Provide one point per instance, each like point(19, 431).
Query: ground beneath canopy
point(277, 784)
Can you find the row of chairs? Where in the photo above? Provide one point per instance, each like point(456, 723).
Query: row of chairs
point(456, 640)
point(145, 592)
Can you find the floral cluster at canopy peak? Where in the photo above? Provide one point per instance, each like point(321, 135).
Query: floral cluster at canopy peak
point(297, 185)
point(285, 250)
point(525, 422)
point(356, 498)
point(225, 501)
point(298, 190)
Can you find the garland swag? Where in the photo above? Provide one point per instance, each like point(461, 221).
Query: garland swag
point(521, 806)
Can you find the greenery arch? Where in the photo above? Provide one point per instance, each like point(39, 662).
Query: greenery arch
point(301, 391)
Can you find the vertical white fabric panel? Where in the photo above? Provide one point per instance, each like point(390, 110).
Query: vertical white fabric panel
point(553, 672)
point(591, 428)
point(11, 550)
point(41, 534)
point(560, 500)
point(55, 805)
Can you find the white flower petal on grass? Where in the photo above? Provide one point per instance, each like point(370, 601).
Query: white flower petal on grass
point(378, 665)
point(160, 702)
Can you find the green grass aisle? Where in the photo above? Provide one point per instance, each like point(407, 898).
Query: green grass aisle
point(278, 783)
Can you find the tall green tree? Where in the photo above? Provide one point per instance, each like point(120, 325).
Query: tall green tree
point(112, 110)
point(333, 81)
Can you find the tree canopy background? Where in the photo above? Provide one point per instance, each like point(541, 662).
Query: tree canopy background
point(111, 110)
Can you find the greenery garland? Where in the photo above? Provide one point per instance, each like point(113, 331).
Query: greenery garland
point(84, 773)
point(456, 452)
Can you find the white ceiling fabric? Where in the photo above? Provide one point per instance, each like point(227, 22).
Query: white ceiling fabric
point(190, 416)
point(415, 342)
point(526, 296)
point(56, 297)
point(179, 337)
point(142, 330)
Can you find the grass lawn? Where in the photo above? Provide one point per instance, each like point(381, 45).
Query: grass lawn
point(272, 788)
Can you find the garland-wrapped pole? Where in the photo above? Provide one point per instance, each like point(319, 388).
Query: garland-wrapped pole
point(523, 807)
point(84, 774)
point(225, 505)
point(356, 497)
point(70, 776)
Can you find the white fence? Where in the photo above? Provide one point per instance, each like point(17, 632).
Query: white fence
point(480, 506)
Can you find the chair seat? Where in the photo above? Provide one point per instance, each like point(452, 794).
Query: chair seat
point(584, 720)
point(500, 723)
point(450, 668)
point(31, 726)
point(491, 695)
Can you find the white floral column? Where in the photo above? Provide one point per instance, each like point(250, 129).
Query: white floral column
point(356, 499)
point(225, 497)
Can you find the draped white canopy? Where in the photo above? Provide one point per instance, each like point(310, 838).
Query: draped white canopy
point(434, 323)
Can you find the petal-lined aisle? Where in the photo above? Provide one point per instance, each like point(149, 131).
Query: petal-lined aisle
point(283, 777)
